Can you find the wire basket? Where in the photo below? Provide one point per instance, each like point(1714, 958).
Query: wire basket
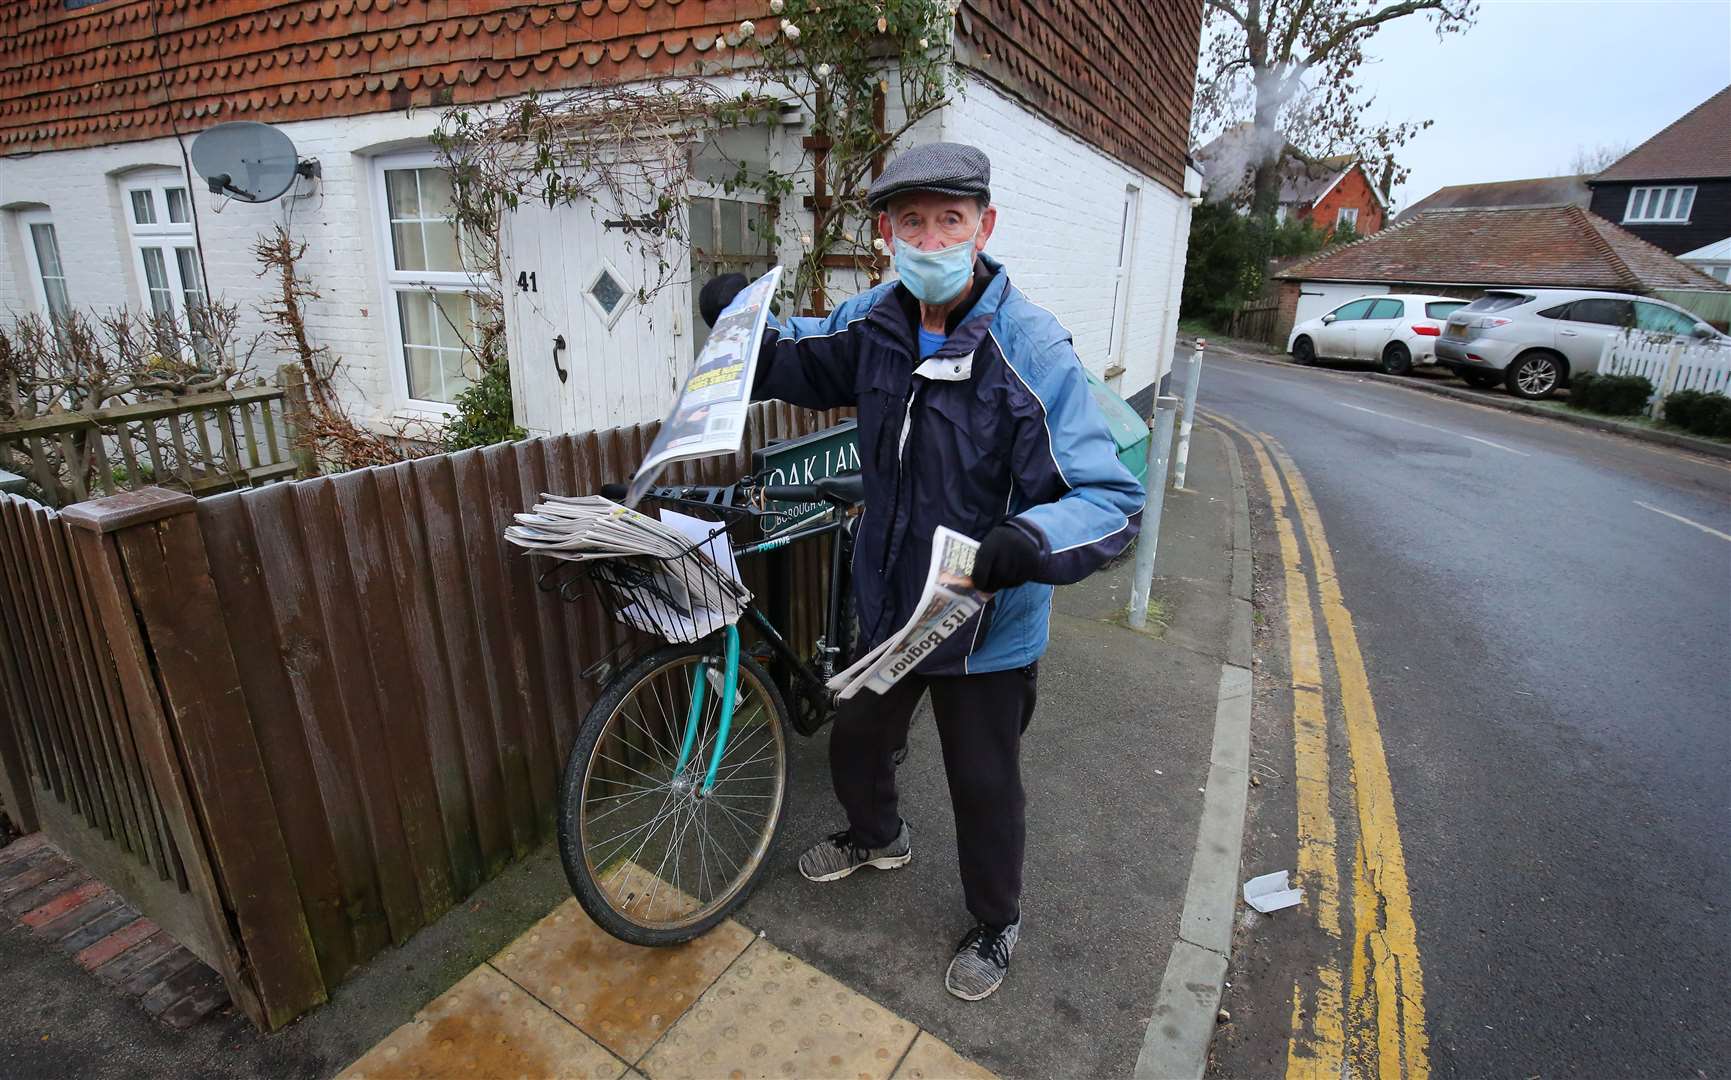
point(682, 598)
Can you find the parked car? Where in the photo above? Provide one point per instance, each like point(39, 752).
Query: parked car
point(1393, 330)
point(1531, 340)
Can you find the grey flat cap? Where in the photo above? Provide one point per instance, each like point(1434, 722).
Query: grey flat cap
point(944, 167)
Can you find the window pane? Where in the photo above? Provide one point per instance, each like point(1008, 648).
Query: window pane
point(47, 250)
point(757, 222)
point(1355, 310)
point(703, 226)
point(425, 373)
point(1661, 319)
point(440, 240)
point(1637, 204)
point(419, 319)
point(410, 248)
point(1684, 202)
point(59, 303)
point(730, 240)
point(1385, 309)
point(1669, 203)
point(456, 320)
point(143, 209)
point(156, 282)
point(437, 198)
point(178, 210)
point(402, 193)
point(191, 281)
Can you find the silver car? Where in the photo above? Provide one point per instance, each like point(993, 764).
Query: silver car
point(1530, 340)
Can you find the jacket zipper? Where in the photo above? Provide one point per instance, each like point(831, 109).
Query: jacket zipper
point(896, 503)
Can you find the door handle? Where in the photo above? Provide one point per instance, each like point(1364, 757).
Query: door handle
point(1569, 333)
point(559, 343)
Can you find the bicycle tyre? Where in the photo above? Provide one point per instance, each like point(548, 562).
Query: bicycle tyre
point(607, 888)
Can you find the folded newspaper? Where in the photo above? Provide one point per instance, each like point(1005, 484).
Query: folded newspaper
point(688, 585)
point(949, 600)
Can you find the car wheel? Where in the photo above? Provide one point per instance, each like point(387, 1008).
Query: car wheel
point(1483, 380)
point(1396, 359)
point(1534, 375)
point(1304, 352)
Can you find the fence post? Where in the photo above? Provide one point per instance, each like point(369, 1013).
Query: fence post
point(1667, 381)
point(1192, 379)
point(297, 418)
point(149, 571)
point(15, 792)
point(1159, 454)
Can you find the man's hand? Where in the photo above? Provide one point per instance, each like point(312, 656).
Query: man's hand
point(717, 294)
point(1007, 557)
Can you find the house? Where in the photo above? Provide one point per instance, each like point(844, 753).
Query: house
point(1674, 190)
point(1714, 259)
point(1331, 193)
point(98, 208)
point(1539, 191)
point(1463, 252)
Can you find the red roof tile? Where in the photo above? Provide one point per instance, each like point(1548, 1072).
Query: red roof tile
point(1695, 147)
point(1560, 246)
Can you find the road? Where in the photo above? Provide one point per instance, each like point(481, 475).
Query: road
point(1544, 616)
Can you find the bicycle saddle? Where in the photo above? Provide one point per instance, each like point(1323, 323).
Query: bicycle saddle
point(847, 489)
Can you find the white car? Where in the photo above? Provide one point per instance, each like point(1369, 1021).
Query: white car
point(1395, 331)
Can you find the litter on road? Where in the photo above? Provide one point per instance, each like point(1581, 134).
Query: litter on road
point(1271, 892)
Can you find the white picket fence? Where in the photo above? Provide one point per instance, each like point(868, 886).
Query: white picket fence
point(1670, 362)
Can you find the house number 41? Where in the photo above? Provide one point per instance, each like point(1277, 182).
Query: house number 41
point(526, 281)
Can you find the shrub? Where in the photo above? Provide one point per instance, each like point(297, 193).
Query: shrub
point(484, 412)
point(1682, 408)
point(1700, 413)
point(1613, 395)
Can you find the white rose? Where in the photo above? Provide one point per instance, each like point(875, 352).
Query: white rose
point(878, 243)
point(791, 31)
point(747, 28)
point(922, 43)
point(805, 238)
point(823, 71)
point(775, 6)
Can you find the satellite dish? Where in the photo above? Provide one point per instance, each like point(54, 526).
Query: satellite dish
point(247, 160)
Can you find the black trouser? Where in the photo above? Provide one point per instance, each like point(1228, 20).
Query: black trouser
point(980, 722)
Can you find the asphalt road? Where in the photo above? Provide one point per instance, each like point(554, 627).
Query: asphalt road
point(1550, 656)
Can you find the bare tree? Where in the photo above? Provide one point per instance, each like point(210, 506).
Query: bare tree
point(1290, 68)
point(1592, 160)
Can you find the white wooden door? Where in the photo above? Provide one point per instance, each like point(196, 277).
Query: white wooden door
point(571, 277)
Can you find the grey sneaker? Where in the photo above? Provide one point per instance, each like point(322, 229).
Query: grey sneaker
point(838, 856)
point(982, 960)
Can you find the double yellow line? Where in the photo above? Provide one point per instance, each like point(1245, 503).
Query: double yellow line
point(1377, 1019)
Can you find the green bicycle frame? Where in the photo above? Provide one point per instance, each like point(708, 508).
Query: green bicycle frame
point(729, 687)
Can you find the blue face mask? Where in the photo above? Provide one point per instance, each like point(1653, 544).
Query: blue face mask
point(936, 277)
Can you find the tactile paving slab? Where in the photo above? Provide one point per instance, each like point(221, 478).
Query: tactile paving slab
point(623, 996)
point(486, 1026)
point(773, 1015)
point(932, 1059)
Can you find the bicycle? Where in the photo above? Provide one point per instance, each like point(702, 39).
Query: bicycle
point(676, 783)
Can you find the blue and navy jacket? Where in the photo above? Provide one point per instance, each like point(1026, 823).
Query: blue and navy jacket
point(998, 425)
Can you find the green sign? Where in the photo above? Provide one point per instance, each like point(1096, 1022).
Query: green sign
point(806, 460)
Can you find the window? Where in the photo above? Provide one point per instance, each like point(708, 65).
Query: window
point(1358, 309)
point(1386, 309)
point(1658, 319)
point(1441, 309)
point(429, 293)
point(47, 273)
point(1348, 217)
point(1116, 333)
point(1667, 205)
point(165, 249)
point(1498, 301)
point(1601, 311)
point(728, 235)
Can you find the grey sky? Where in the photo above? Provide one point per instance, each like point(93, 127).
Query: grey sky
point(1514, 96)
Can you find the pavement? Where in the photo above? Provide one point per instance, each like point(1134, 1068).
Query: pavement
point(1543, 613)
point(1123, 765)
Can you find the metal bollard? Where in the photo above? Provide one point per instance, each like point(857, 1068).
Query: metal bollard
point(1192, 379)
point(1159, 454)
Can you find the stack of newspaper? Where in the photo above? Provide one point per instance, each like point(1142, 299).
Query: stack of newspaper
point(685, 586)
point(949, 600)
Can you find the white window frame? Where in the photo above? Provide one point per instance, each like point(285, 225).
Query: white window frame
point(1119, 328)
point(163, 235)
point(1646, 203)
point(39, 285)
point(393, 281)
point(1347, 215)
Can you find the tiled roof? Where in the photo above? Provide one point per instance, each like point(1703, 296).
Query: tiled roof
point(1697, 146)
point(1541, 191)
point(1560, 246)
point(1116, 73)
point(96, 74)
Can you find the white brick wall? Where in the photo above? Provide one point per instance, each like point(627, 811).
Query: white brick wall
point(1060, 205)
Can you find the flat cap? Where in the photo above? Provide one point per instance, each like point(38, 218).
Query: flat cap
point(944, 167)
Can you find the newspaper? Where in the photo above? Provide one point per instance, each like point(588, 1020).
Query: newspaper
point(708, 415)
point(684, 588)
point(948, 600)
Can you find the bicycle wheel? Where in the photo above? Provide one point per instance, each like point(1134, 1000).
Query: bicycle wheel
point(651, 859)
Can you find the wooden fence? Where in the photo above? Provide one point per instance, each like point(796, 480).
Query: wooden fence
point(197, 443)
point(296, 723)
point(1670, 362)
point(1254, 320)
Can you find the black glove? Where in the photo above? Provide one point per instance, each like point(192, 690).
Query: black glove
point(717, 294)
point(1007, 557)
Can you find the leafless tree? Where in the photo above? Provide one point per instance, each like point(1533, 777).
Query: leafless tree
point(1592, 160)
point(1290, 68)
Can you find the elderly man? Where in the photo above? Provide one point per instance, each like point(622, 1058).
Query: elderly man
point(974, 413)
